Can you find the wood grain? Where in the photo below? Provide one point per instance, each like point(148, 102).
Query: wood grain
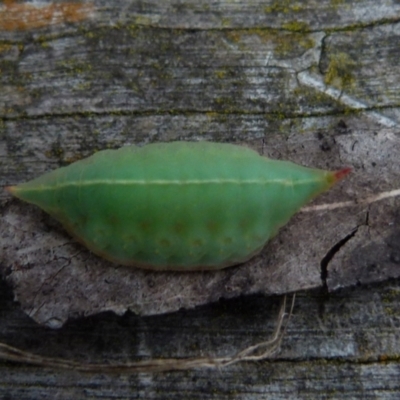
point(316, 82)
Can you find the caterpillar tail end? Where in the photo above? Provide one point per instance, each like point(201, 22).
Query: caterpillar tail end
point(333, 177)
point(342, 173)
point(10, 189)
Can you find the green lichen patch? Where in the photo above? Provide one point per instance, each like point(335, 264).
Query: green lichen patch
point(341, 71)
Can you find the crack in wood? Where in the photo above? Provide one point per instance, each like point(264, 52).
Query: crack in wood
point(330, 254)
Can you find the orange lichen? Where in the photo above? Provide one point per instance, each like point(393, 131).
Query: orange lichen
point(23, 16)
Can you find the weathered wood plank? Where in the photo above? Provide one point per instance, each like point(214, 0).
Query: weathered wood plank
point(149, 70)
point(312, 81)
point(344, 345)
point(24, 20)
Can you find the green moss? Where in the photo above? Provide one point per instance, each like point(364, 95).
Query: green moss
point(5, 47)
point(142, 20)
point(226, 22)
point(84, 86)
point(235, 36)
point(336, 4)
point(75, 67)
point(340, 71)
point(296, 26)
point(391, 295)
point(391, 311)
point(90, 34)
point(307, 42)
point(316, 99)
point(285, 43)
point(283, 6)
point(44, 44)
point(55, 152)
point(226, 102)
point(221, 74)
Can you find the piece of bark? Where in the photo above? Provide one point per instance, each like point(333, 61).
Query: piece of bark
point(55, 278)
point(91, 76)
point(372, 252)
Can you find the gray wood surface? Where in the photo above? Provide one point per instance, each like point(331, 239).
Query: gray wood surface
point(316, 82)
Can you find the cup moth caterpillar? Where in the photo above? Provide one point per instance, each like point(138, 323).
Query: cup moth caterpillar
point(176, 206)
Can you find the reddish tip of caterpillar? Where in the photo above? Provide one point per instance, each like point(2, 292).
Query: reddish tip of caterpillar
point(341, 173)
point(13, 190)
point(334, 176)
point(10, 189)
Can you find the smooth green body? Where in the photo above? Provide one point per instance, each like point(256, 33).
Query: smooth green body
point(175, 206)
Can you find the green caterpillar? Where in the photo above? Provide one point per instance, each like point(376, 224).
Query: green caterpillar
point(176, 206)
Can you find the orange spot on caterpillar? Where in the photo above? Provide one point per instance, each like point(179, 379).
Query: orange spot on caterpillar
point(197, 242)
point(213, 227)
point(179, 228)
point(145, 226)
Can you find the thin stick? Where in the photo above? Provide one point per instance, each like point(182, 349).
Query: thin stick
point(351, 203)
point(250, 353)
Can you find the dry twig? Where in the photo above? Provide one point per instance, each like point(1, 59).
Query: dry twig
point(257, 352)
